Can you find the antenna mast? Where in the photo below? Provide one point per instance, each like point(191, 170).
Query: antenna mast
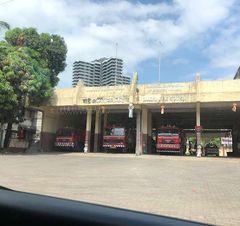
point(159, 62)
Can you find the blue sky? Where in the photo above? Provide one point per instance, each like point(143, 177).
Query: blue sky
point(197, 36)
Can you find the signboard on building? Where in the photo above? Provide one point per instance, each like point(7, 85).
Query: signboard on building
point(123, 99)
point(226, 140)
point(164, 99)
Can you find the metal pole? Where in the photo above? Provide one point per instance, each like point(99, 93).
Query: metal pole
point(159, 71)
point(159, 63)
point(116, 65)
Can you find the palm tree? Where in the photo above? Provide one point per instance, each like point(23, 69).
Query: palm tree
point(4, 25)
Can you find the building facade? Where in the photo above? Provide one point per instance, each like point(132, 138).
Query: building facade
point(237, 75)
point(100, 72)
point(190, 105)
point(26, 133)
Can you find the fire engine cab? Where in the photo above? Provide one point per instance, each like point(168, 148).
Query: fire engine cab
point(69, 139)
point(115, 138)
point(170, 139)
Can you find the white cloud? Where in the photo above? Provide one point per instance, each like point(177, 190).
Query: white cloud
point(225, 51)
point(91, 29)
point(198, 16)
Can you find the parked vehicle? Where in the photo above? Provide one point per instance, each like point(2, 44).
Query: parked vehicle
point(115, 138)
point(211, 149)
point(70, 139)
point(170, 139)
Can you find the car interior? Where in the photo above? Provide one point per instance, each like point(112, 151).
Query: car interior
point(21, 208)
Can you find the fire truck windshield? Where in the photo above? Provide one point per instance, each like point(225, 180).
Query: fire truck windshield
point(65, 132)
point(168, 132)
point(115, 132)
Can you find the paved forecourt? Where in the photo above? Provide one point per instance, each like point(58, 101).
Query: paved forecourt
point(205, 190)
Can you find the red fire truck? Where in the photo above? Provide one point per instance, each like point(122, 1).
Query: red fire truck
point(170, 139)
point(69, 139)
point(115, 138)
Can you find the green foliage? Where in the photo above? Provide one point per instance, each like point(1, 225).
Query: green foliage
point(4, 24)
point(22, 78)
point(8, 99)
point(29, 66)
point(215, 140)
point(50, 48)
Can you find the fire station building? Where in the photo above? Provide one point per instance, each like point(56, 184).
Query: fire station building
point(198, 104)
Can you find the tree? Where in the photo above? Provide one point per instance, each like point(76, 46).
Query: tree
point(4, 25)
point(51, 48)
point(8, 99)
point(29, 65)
point(22, 78)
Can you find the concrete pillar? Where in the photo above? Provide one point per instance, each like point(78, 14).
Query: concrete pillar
point(150, 132)
point(138, 149)
point(236, 136)
point(105, 117)
point(198, 114)
point(235, 140)
point(50, 124)
point(144, 131)
point(88, 131)
point(97, 131)
point(198, 130)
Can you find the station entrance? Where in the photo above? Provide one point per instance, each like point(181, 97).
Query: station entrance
point(213, 118)
point(118, 133)
point(217, 121)
point(96, 123)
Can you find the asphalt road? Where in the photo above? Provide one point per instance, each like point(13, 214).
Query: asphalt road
point(205, 190)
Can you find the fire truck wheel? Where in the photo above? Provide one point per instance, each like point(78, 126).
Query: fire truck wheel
point(105, 150)
point(82, 147)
